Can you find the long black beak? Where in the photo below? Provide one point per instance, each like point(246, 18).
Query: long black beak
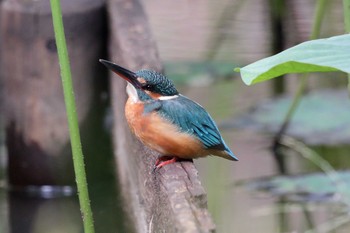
point(128, 75)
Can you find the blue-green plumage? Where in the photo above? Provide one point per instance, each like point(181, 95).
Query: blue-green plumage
point(157, 94)
point(190, 118)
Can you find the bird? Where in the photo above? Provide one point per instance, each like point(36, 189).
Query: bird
point(167, 121)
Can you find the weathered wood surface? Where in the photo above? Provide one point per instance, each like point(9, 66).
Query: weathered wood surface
point(35, 117)
point(172, 199)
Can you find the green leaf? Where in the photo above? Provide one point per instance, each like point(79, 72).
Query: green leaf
point(322, 55)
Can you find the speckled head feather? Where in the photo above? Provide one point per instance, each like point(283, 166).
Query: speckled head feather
point(157, 83)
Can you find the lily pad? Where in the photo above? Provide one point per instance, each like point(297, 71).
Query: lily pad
point(322, 118)
point(322, 55)
point(310, 187)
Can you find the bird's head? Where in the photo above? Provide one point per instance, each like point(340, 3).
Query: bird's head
point(149, 82)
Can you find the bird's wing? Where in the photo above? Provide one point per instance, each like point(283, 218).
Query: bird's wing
point(191, 118)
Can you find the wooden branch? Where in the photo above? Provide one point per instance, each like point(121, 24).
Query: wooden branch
point(172, 199)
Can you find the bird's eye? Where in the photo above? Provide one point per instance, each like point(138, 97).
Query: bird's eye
point(147, 86)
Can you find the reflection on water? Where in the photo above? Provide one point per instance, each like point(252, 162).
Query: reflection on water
point(3, 211)
point(51, 209)
point(28, 213)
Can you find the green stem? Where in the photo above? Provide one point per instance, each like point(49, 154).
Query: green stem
point(320, 10)
point(277, 10)
point(346, 8)
point(78, 159)
point(217, 37)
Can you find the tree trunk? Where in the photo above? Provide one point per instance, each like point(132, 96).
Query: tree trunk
point(171, 199)
point(35, 117)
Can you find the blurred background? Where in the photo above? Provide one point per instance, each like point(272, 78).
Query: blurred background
point(200, 43)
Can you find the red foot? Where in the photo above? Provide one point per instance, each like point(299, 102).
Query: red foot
point(165, 160)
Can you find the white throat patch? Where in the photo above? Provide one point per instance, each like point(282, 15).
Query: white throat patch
point(168, 97)
point(132, 93)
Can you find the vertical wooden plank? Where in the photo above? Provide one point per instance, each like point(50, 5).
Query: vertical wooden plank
point(35, 120)
point(4, 222)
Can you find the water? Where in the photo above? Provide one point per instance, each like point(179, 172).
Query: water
point(29, 212)
point(55, 208)
point(233, 207)
point(237, 209)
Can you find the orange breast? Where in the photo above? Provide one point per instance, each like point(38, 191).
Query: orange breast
point(160, 135)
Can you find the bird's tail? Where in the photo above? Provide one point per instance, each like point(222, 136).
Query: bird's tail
point(233, 157)
point(229, 153)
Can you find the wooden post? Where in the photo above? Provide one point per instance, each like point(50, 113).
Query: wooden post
point(35, 119)
point(172, 199)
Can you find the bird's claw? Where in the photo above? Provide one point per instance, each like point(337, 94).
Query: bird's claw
point(164, 160)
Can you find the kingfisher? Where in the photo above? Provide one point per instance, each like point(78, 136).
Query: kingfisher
point(166, 121)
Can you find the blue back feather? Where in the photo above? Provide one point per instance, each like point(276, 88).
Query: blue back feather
point(187, 115)
point(191, 118)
